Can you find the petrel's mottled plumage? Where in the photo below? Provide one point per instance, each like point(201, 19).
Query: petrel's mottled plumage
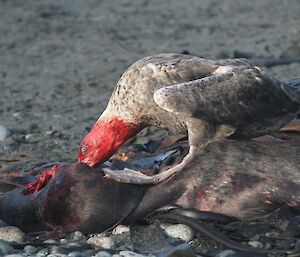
point(206, 99)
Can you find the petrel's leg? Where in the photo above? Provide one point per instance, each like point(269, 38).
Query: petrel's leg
point(200, 135)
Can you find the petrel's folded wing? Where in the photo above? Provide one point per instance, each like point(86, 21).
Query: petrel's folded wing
point(229, 95)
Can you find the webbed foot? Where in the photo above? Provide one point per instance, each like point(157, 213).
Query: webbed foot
point(130, 176)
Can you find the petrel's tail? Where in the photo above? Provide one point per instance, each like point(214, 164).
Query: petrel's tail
point(292, 89)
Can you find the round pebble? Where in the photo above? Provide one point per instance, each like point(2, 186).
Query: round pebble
point(75, 244)
point(11, 234)
point(29, 249)
point(4, 133)
point(5, 248)
point(57, 255)
point(101, 241)
point(226, 253)
point(56, 249)
point(102, 254)
point(131, 254)
point(255, 244)
point(77, 235)
point(120, 229)
point(50, 241)
point(76, 254)
point(42, 252)
point(63, 241)
point(16, 114)
point(14, 255)
point(179, 231)
point(31, 138)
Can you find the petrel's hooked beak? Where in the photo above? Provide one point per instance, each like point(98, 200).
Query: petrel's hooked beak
point(87, 161)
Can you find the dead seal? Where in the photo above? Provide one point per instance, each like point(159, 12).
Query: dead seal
point(244, 179)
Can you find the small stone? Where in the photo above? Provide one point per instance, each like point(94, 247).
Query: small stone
point(101, 241)
point(16, 114)
point(42, 253)
point(272, 234)
point(179, 231)
point(14, 255)
point(131, 254)
point(179, 250)
point(50, 241)
point(226, 253)
point(4, 133)
point(76, 254)
point(31, 138)
point(255, 244)
point(29, 249)
point(11, 234)
point(57, 255)
point(77, 235)
point(63, 241)
point(102, 254)
point(74, 244)
point(120, 229)
point(56, 249)
point(5, 248)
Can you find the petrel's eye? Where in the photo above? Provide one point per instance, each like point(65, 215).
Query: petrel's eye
point(83, 149)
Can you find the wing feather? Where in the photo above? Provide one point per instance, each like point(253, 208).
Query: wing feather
point(229, 95)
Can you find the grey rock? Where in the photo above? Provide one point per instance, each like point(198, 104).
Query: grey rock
point(5, 248)
point(102, 254)
point(76, 254)
point(255, 244)
point(102, 241)
point(11, 234)
point(179, 231)
point(231, 253)
point(63, 241)
point(57, 249)
point(14, 255)
point(57, 255)
point(77, 235)
point(42, 253)
point(29, 249)
point(4, 133)
point(75, 244)
point(131, 254)
point(32, 138)
point(226, 253)
point(120, 229)
point(50, 241)
point(183, 250)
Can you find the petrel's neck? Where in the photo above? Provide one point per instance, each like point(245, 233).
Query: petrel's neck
point(117, 130)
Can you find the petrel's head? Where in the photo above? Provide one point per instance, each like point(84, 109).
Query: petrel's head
point(104, 140)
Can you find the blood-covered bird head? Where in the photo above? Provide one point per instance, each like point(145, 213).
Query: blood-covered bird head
point(104, 140)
